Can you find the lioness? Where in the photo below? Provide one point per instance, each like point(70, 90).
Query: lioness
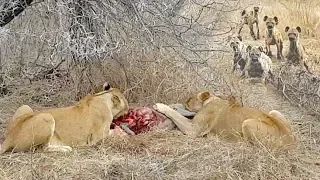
point(230, 120)
point(59, 129)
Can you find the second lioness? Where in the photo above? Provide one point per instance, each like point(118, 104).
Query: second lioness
point(231, 121)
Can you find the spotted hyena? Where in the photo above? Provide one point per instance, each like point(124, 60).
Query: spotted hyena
point(258, 64)
point(296, 52)
point(273, 36)
point(250, 18)
point(239, 53)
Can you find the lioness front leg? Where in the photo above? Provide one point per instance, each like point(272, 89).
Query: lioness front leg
point(183, 123)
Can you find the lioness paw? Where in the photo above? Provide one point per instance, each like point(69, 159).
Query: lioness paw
point(161, 107)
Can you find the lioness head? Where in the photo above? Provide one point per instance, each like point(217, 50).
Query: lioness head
point(119, 104)
point(271, 22)
point(293, 33)
point(196, 102)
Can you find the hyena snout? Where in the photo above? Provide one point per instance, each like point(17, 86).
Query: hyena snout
point(234, 46)
point(270, 26)
point(292, 37)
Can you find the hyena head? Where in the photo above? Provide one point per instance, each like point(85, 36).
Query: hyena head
point(293, 33)
point(247, 14)
point(236, 44)
point(271, 22)
point(255, 53)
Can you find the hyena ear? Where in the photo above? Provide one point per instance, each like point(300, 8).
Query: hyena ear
point(256, 9)
point(286, 29)
point(243, 12)
point(240, 38)
point(204, 96)
point(249, 48)
point(265, 18)
point(106, 86)
point(260, 48)
point(276, 20)
point(298, 29)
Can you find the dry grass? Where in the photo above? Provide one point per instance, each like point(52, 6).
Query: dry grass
point(162, 155)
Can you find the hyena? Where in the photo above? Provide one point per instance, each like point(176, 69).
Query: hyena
point(273, 36)
point(296, 52)
point(250, 18)
point(258, 64)
point(239, 53)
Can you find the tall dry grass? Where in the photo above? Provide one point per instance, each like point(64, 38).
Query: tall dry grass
point(295, 13)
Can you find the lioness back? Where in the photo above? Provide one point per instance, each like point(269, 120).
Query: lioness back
point(225, 119)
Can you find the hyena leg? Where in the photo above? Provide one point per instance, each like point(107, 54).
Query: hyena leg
point(258, 30)
point(278, 51)
point(281, 48)
point(240, 29)
point(269, 53)
point(252, 32)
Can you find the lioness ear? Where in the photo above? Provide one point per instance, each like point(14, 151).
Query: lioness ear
point(106, 86)
point(249, 48)
point(233, 101)
point(204, 96)
point(298, 29)
point(286, 29)
point(265, 18)
point(276, 19)
point(240, 38)
point(243, 12)
point(115, 100)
